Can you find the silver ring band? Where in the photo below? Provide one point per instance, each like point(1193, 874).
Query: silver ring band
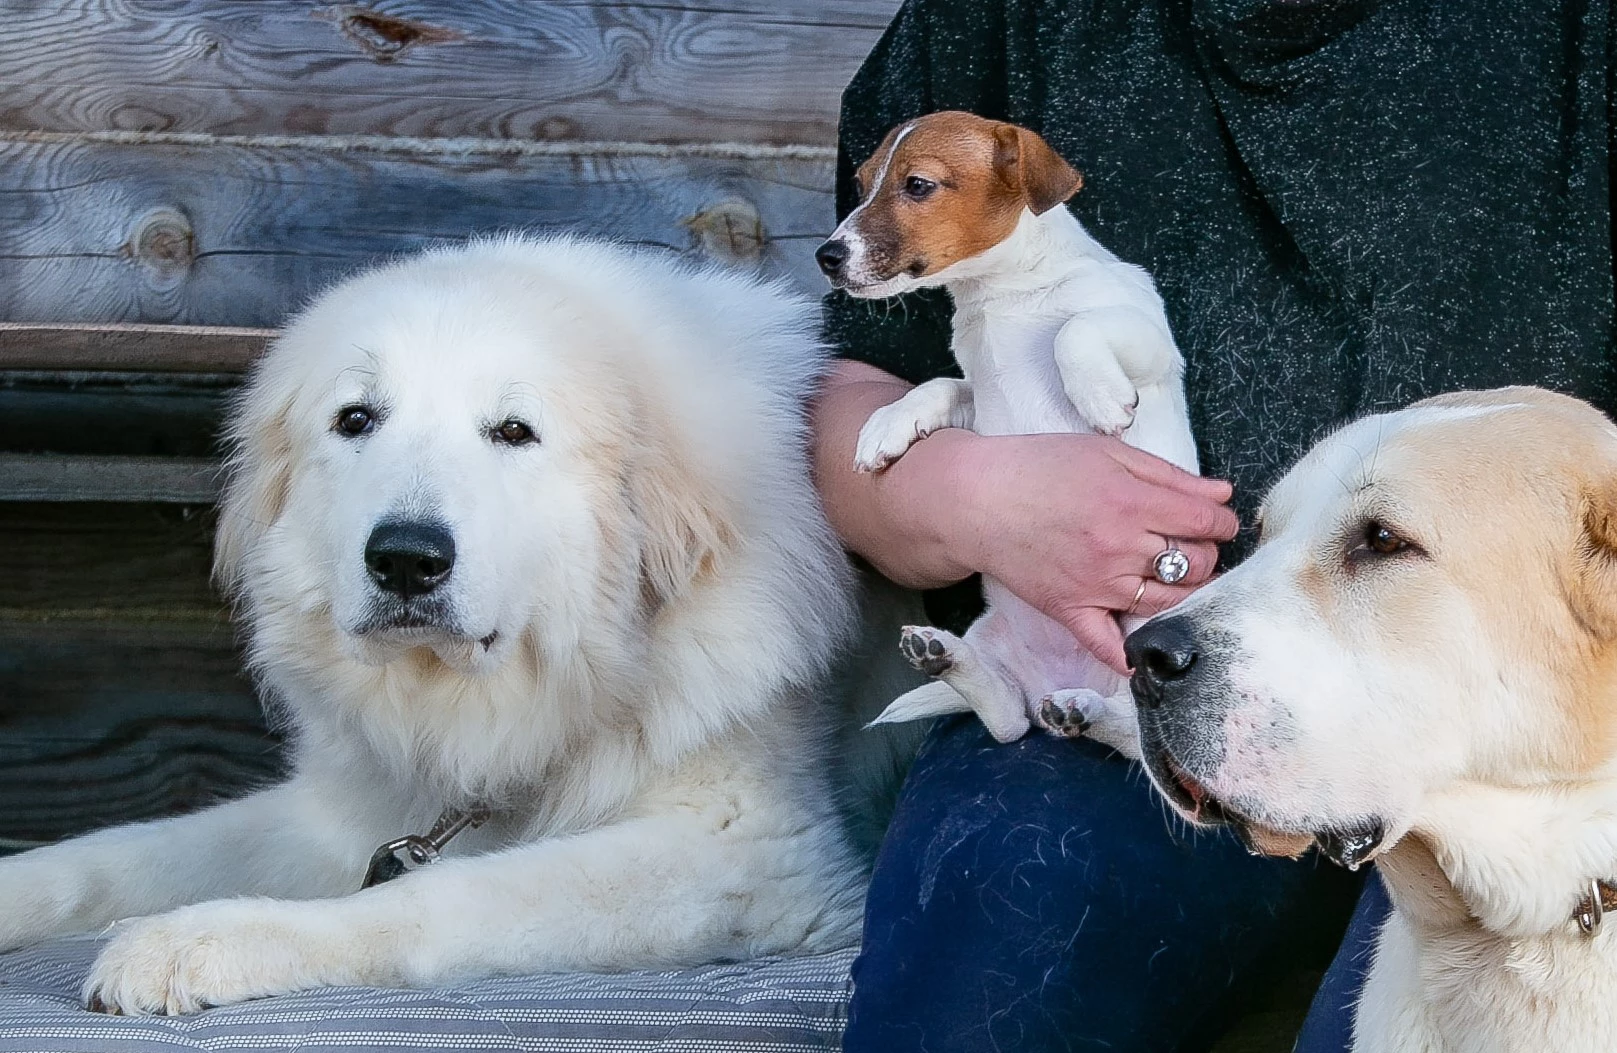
point(1171, 565)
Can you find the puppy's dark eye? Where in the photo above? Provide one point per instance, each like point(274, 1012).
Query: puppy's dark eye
point(355, 420)
point(512, 433)
point(1380, 540)
point(918, 188)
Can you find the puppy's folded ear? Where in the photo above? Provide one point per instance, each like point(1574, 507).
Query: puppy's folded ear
point(1026, 162)
point(1592, 590)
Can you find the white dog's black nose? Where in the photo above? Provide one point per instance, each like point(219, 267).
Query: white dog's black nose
point(1162, 654)
point(831, 256)
point(408, 557)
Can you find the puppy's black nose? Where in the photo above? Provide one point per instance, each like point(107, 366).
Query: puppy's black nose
point(831, 256)
point(408, 557)
point(1162, 654)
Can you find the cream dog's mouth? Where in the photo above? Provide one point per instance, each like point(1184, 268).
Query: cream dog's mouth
point(1349, 845)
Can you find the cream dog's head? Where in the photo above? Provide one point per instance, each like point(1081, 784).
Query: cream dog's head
point(941, 190)
point(1432, 604)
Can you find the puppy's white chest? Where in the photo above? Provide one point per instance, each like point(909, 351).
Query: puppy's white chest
point(1009, 359)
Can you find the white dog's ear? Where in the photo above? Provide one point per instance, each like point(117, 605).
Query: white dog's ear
point(1025, 161)
point(685, 528)
point(258, 473)
point(1592, 592)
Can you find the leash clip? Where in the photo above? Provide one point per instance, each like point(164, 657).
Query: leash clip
point(1591, 911)
point(413, 851)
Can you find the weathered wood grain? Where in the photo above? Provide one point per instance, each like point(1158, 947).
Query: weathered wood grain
point(104, 722)
point(70, 477)
point(269, 223)
point(684, 71)
point(109, 562)
point(130, 348)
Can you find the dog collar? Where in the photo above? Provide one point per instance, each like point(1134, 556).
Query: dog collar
point(1591, 909)
point(414, 851)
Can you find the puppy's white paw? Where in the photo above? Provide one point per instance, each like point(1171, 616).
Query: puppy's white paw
point(886, 436)
point(1108, 408)
point(1068, 714)
point(207, 955)
point(930, 651)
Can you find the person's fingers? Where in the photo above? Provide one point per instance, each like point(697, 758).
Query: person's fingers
point(1203, 557)
point(1098, 633)
point(1186, 518)
point(1150, 468)
point(1158, 597)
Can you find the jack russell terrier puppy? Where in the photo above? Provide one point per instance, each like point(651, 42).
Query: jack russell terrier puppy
point(1052, 333)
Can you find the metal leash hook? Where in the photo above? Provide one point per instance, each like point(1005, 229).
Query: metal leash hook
point(1591, 911)
point(412, 851)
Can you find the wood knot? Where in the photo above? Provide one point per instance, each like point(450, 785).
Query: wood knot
point(162, 241)
point(730, 230)
point(382, 36)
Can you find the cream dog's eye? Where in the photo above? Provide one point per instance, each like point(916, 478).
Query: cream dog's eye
point(1380, 540)
point(512, 433)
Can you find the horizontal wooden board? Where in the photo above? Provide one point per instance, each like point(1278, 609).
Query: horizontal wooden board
point(130, 348)
point(70, 477)
point(239, 232)
point(683, 71)
point(109, 562)
point(103, 722)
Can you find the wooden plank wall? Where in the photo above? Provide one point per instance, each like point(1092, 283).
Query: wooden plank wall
point(213, 162)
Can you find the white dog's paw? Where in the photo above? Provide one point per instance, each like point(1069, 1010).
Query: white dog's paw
point(886, 436)
point(1108, 412)
point(207, 955)
point(930, 651)
point(1068, 714)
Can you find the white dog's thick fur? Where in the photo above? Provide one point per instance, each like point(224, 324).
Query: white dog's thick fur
point(1419, 664)
point(619, 662)
point(1052, 333)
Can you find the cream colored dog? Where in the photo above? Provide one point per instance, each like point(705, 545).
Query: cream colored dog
point(524, 526)
point(1418, 665)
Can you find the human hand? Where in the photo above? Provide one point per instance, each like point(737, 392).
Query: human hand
point(1073, 523)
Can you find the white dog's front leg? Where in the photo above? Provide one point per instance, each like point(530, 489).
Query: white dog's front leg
point(942, 402)
point(1105, 356)
point(644, 893)
point(296, 839)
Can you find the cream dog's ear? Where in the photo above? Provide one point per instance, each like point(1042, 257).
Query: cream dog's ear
point(258, 474)
point(1024, 160)
point(1592, 591)
point(685, 527)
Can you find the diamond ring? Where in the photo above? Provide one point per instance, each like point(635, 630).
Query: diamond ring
point(1171, 565)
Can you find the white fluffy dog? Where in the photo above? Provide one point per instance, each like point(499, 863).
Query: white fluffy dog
point(1418, 665)
point(524, 526)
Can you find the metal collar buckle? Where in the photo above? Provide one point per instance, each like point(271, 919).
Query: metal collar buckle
point(1592, 909)
point(413, 851)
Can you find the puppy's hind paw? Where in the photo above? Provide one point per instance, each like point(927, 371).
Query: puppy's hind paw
point(929, 650)
point(1067, 714)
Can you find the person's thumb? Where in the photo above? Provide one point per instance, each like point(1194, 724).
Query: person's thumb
point(1098, 633)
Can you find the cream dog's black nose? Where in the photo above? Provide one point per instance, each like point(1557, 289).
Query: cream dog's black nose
point(1162, 654)
point(831, 256)
point(409, 557)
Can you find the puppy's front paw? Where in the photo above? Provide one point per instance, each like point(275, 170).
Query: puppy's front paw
point(886, 436)
point(207, 955)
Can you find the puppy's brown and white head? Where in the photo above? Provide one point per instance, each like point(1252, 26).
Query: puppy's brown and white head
point(938, 191)
point(1432, 604)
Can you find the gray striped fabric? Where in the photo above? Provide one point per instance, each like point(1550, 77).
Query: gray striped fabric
point(775, 1005)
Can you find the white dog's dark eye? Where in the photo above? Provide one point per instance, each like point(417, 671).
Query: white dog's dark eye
point(918, 187)
point(355, 420)
point(512, 432)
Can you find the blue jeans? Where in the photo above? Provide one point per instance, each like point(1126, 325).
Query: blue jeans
point(1037, 897)
point(1329, 1028)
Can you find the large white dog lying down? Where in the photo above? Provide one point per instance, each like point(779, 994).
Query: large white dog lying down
point(526, 526)
point(1419, 665)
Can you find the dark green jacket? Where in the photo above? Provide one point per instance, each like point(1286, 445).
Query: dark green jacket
point(1346, 205)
